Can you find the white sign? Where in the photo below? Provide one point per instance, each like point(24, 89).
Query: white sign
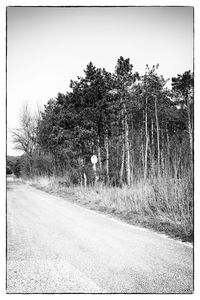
point(94, 159)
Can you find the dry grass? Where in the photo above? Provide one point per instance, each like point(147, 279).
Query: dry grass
point(163, 204)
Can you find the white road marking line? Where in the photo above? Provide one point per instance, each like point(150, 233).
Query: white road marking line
point(135, 226)
point(190, 245)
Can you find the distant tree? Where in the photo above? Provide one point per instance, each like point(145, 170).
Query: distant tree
point(24, 137)
point(10, 162)
point(8, 170)
point(17, 168)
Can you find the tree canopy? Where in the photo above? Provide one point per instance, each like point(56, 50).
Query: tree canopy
point(135, 124)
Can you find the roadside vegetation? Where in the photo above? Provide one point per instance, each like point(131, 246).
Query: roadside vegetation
point(141, 131)
point(159, 205)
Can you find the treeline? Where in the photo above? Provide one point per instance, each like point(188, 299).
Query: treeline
point(136, 126)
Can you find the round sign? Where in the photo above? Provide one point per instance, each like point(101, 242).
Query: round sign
point(94, 159)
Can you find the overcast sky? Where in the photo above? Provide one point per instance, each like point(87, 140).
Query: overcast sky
point(47, 47)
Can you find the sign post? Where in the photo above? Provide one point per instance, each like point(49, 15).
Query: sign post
point(94, 161)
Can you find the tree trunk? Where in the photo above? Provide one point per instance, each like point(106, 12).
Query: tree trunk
point(145, 158)
point(142, 151)
point(107, 159)
point(127, 147)
point(122, 163)
point(158, 138)
point(146, 143)
point(99, 154)
point(168, 153)
point(132, 163)
point(152, 150)
point(190, 135)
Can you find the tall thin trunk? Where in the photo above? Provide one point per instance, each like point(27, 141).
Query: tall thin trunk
point(168, 153)
point(99, 154)
point(146, 142)
point(142, 151)
point(190, 135)
point(122, 163)
point(107, 159)
point(162, 153)
point(145, 158)
point(133, 142)
point(127, 147)
point(158, 138)
point(152, 149)
point(131, 163)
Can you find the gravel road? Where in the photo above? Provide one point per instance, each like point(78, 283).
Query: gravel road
point(54, 246)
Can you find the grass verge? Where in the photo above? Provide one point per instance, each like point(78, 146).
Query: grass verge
point(164, 205)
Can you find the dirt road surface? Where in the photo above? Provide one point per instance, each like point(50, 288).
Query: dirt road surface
point(54, 246)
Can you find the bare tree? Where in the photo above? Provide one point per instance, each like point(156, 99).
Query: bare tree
point(24, 137)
